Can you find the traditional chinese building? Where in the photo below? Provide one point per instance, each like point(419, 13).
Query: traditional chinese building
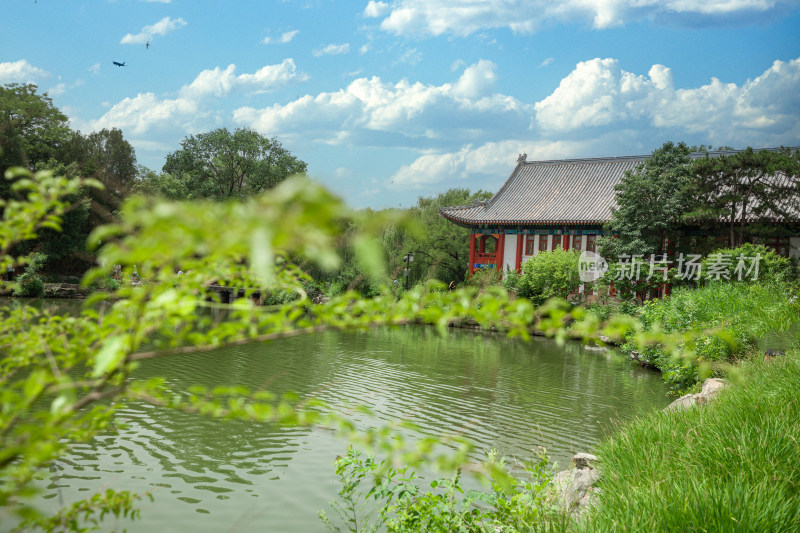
point(545, 204)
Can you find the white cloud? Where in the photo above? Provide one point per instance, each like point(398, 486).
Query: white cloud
point(547, 61)
point(465, 17)
point(146, 111)
point(21, 72)
point(599, 109)
point(364, 49)
point(162, 27)
point(376, 9)
point(158, 1)
point(219, 82)
point(410, 57)
point(370, 111)
point(95, 69)
point(285, 37)
point(332, 50)
point(490, 160)
point(600, 94)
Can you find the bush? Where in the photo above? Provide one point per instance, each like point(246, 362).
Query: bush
point(484, 277)
point(29, 284)
point(771, 267)
point(550, 274)
point(730, 318)
point(511, 280)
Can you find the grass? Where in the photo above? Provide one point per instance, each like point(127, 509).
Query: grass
point(730, 321)
point(731, 465)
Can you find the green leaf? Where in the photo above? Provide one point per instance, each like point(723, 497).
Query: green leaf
point(110, 355)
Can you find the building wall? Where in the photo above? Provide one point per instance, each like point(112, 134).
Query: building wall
point(510, 252)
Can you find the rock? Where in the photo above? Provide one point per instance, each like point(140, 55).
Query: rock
point(575, 487)
point(687, 400)
point(711, 388)
point(583, 460)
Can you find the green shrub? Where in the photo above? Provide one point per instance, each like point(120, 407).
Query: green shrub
point(728, 318)
point(484, 277)
point(511, 280)
point(376, 497)
point(771, 266)
point(549, 274)
point(29, 284)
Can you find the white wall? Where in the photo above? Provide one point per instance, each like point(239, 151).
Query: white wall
point(510, 252)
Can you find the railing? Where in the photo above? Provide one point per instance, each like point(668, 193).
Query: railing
point(485, 258)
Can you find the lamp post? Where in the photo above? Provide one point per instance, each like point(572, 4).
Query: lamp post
point(408, 259)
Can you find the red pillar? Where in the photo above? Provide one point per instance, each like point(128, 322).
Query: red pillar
point(471, 266)
point(499, 251)
point(520, 240)
point(565, 242)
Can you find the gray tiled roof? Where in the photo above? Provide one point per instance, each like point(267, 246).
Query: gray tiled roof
point(571, 191)
point(563, 192)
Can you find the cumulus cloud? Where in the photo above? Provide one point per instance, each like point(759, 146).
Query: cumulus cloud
point(379, 113)
point(376, 9)
point(600, 109)
point(490, 160)
point(285, 37)
point(600, 94)
point(332, 50)
point(218, 82)
point(146, 111)
point(465, 17)
point(21, 72)
point(162, 27)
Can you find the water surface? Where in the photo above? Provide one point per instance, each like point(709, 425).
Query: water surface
point(212, 475)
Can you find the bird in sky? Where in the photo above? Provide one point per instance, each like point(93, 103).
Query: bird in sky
point(147, 46)
point(117, 63)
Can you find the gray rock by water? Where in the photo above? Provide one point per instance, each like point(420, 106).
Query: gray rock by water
point(711, 388)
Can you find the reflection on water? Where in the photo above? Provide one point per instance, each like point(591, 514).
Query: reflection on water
point(501, 393)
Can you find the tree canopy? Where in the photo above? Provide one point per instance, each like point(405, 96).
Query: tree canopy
point(31, 128)
point(222, 165)
point(651, 201)
point(746, 191)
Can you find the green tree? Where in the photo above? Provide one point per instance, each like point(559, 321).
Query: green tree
point(222, 165)
point(747, 191)
point(549, 274)
point(651, 201)
point(32, 129)
point(441, 248)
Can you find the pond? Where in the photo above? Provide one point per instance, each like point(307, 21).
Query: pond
point(211, 475)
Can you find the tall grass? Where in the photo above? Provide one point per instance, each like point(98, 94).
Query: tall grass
point(730, 320)
point(731, 465)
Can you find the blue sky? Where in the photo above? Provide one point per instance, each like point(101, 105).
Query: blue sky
point(389, 101)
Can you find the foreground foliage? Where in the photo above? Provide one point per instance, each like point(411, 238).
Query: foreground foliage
point(375, 497)
point(63, 377)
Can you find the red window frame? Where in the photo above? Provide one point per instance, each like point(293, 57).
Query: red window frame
point(543, 243)
point(591, 243)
